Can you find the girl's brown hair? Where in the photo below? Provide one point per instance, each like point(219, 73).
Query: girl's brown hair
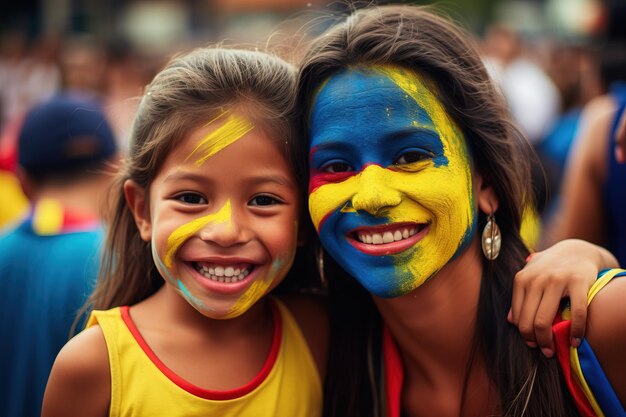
point(420, 40)
point(190, 90)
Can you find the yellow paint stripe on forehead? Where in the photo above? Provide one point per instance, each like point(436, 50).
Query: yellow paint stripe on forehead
point(233, 129)
point(182, 233)
point(417, 88)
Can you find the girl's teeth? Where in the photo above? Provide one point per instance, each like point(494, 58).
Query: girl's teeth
point(228, 274)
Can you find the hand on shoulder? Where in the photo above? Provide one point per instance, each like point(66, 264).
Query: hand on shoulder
point(80, 381)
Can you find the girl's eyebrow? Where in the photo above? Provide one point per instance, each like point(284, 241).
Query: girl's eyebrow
point(272, 178)
point(178, 176)
point(255, 180)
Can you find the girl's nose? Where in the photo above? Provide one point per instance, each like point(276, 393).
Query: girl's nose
point(375, 191)
point(227, 230)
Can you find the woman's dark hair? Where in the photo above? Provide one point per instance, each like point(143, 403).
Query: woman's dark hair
point(438, 50)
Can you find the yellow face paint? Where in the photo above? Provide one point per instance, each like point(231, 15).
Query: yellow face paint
point(382, 144)
point(184, 232)
point(263, 285)
point(233, 129)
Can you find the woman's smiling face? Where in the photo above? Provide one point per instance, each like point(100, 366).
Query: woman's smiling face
point(390, 190)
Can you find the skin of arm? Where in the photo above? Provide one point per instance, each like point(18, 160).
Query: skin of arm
point(580, 214)
point(80, 381)
point(606, 333)
point(620, 136)
point(566, 269)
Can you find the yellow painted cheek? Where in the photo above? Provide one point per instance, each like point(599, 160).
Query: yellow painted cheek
point(330, 197)
point(447, 194)
point(259, 288)
point(232, 130)
point(184, 232)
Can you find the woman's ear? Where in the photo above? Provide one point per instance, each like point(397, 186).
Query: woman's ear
point(136, 200)
point(485, 195)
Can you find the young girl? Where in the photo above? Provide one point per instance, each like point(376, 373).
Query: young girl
point(417, 181)
point(206, 225)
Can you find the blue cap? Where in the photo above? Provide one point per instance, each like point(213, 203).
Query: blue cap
point(67, 132)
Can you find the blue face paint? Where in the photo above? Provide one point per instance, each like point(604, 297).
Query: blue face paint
point(388, 166)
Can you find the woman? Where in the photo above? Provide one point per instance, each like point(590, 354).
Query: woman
point(417, 180)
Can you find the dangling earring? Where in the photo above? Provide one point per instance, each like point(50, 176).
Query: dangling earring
point(320, 266)
point(492, 239)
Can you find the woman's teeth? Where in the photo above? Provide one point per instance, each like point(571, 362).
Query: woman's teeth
point(226, 274)
point(386, 237)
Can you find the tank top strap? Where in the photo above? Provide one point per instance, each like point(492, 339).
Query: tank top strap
point(585, 379)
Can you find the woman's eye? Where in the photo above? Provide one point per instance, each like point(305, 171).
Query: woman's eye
point(191, 198)
point(264, 200)
point(412, 157)
point(337, 167)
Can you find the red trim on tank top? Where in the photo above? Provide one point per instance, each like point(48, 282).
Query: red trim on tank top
point(205, 393)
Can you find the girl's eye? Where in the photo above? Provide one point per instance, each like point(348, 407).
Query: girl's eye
point(191, 198)
point(412, 157)
point(337, 167)
point(264, 200)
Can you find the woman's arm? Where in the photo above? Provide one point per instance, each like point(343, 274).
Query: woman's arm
point(606, 333)
point(80, 381)
point(566, 269)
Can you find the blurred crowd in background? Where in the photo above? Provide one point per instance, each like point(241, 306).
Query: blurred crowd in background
point(555, 61)
point(550, 57)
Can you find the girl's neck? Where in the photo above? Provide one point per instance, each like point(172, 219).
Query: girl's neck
point(212, 354)
point(178, 311)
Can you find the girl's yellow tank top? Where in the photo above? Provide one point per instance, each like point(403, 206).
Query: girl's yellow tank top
point(141, 385)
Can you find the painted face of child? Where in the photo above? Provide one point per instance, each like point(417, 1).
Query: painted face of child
point(390, 190)
point(224, 210)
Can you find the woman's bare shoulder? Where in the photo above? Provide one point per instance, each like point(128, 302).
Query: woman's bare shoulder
point(80, 381)
point(606, 333)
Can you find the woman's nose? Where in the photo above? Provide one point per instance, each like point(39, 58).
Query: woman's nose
point(375, 191)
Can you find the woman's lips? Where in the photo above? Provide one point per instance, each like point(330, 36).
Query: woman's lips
point(388, 239)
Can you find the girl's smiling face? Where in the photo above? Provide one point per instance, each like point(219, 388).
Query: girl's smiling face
point(390, 190)
point(222, 216)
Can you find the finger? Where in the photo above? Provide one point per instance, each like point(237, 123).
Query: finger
point(578, 302)
point(527, 315)
point(517, 301)
point(547, 310)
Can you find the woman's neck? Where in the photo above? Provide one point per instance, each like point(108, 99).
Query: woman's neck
point(435, 327)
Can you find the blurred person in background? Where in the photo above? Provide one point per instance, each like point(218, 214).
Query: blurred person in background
point(29, 74)
point(532, 96)
point(534, 102)
point(574, 69)
point(49, 263)
point(594, 186)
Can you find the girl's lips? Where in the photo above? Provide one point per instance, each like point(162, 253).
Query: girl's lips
point(213, 278)
point(389, 239)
